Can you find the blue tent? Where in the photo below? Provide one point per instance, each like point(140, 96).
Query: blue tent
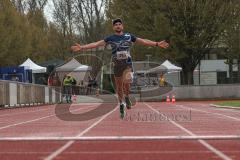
point(21, 74)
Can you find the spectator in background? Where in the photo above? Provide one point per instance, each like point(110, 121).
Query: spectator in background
point(56, 81)
point(14, 78)
point(50, 80)
point(81, 83)
point(74, 86)
point(53, 80)
point(63, 86)
point(81, 88)
point(94, 83)
point(154, 82)
point(161, 80)
point(42, 80)
point(68, 83)
point(90, 84)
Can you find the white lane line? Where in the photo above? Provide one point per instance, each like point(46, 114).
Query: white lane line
point(9, 114)
point(218, 114)
point(122, 138)
point(123, 152)
point(215, 108)
point(25, 122)
point(3, 115)
point(144, 152)
point(84, 103)
point(59, 151)
point(68, 144)
point(204, 143)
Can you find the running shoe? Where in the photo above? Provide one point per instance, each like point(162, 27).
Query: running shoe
point(122, 110)
point(128, 103)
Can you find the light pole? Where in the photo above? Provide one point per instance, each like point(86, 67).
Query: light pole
point(148, 58)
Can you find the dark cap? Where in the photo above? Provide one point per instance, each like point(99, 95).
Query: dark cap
point(116, 21)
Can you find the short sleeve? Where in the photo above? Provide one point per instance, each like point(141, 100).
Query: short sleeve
point(133, 38)
point(107, 39)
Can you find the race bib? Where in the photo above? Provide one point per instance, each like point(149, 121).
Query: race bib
point(122, 55)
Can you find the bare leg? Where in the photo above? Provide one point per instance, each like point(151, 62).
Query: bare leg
point(126, 89)
point(119, 88)
point(126, 81)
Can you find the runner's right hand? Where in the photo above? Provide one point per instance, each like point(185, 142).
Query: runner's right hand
point(76, 47)
point(163, 44)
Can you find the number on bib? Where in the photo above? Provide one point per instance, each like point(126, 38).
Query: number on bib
point(122, 55)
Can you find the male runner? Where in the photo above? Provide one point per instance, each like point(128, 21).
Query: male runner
point(121, 43)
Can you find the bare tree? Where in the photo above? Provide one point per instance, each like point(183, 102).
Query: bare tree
point(63, 15)
point(82, 20)
point(20, 5)
point(90, 26)
point(36, 4)
point(196, 28)
point(90, 19)
point(231, 38)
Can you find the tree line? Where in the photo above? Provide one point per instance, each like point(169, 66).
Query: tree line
point(195, 29)
point(26, 32)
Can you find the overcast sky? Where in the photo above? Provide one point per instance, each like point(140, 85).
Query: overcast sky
point(48, 10)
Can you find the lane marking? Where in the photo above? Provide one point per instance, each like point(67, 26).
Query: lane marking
point(68, 144)
point(204, 143)
point(33, 120)
point(122, 138)
point(59, 150)
point(219, 114)
point(3, 115)
point(215, 108)
point(123, 152)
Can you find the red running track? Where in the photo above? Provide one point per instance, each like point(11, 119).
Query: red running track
point(109, 137)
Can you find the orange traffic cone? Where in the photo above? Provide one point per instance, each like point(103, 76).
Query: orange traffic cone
point(173, 99)
point(168, 99)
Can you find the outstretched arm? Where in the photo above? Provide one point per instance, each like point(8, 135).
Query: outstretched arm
point(162, 44)
point(78, 47)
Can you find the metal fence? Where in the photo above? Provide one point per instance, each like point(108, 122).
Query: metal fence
point(26, 94)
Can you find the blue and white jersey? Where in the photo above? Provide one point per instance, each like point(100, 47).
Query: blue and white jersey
point(121, 45)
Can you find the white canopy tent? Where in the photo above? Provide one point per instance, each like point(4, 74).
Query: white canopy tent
point(69, 66)
point(33, 66)
point(82, 68)
point(79, 71)
point(36, 69)
point(166, 66)
point(173, 72)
